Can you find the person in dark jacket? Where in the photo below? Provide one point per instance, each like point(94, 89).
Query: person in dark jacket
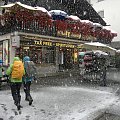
point(27, 82)
point(15, 83)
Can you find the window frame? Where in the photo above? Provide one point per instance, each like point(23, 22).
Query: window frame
point(100, 0)
point(101, 13)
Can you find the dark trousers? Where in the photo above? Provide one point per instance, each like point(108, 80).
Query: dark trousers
point(15, 90)
point(27, 90)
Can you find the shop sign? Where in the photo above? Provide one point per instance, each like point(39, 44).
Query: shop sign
point(65, 45)
point(25, 48)
point(54, 44)
point(88, 38)
point(43, 43)
point(38, 42)
point(68, 34)
point(16, 41)
point(47, 43)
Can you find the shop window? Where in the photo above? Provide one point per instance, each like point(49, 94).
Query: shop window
point(101, 13)
point(49, 55)
point(39, 54)
point(1, 53)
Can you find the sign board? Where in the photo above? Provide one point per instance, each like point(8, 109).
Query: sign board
point(16, 41)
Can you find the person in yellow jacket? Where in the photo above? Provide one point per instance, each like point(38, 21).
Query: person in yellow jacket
point(15, 72)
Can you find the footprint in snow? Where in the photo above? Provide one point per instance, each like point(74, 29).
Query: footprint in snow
point(11, 118)
point(27, 117)
point(4, 108)
point(15, 112)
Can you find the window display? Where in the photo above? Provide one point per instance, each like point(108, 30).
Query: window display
point(38, 53)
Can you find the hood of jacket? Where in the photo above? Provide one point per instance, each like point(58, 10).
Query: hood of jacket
point(26, 58)
point(16, 59)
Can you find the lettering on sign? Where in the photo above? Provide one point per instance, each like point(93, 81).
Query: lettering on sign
point(47, 43)
point(68, 34)
point(54, 44)
point(65, 45)
point(38, 42)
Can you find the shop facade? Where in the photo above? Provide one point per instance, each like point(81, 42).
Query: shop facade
point(43, 50)
point(27, 30)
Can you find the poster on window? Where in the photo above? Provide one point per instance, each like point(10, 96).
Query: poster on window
point(0, 54)
point(16, 41)
point(5, 52)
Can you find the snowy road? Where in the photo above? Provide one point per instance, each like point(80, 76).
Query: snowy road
point(57, 103)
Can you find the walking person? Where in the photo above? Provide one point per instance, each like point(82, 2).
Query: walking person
point(15, 72)
point(30, 75)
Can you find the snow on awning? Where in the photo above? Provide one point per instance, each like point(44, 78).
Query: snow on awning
point(74, 17)
point(42, 9)
point(58, 12)
point(112, 31)
point(99, 46)
point(86, 21)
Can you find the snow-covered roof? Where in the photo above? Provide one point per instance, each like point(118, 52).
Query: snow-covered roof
point(27, 7)
point(7, 6)
point(98, 44)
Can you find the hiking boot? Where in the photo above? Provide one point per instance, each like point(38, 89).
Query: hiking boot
point(21, 106)
point(26, 99)
point(30, 102)
point(18, 106)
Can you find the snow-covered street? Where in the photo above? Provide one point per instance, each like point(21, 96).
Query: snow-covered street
point(58, 103)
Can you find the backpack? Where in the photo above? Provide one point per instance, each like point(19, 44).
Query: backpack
point(30, 69)
point(17, 70)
